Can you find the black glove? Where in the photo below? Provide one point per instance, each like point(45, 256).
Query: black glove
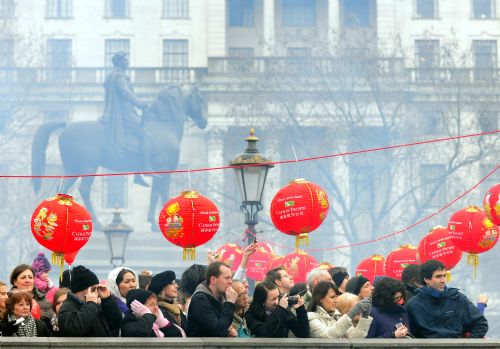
point(10, 328)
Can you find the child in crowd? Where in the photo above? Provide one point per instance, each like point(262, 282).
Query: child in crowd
point(41, 267)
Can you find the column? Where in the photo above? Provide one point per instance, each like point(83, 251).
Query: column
point(333, 22)
point(216, 28)
point(386, 18)
point(268, 28)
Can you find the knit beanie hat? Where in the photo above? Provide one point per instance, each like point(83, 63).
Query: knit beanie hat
point(338, 278)
point(41, 264)
point(82, 278)
point(138, 294)
point(161, 280)
point(354, 284)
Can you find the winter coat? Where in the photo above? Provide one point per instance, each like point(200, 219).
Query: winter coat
point(208, 316)
point(447, 314)
point(410, 291)
point(7, 329)
point(278, 323)
point(133, 326)
point(325, 325)
point(172, 331)
point(80, 319)
point(384, 321)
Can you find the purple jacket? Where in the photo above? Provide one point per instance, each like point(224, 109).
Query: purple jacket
point(384, 322)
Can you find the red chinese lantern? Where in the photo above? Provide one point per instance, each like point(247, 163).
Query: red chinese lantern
point(276, 262)
point(258, 263)
point(491, 204)
point(299, 208)
point(298, 264)
point(371, 267)
point(472, 232)
point(437, 245)
point(61, 225)
point(70, 257)
point(189, 220)
point(231, 254)
point(400, 258)
point(36, 312)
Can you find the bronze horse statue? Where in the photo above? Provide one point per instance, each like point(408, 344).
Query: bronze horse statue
point(84, 148)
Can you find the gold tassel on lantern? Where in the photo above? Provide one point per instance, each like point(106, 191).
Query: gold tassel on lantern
point(189, 254)
point(302, 239)
point(448, 276)
point(58, 260)
point(472, 259)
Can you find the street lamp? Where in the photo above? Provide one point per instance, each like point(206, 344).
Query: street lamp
point(117, 234)
point(251, 173)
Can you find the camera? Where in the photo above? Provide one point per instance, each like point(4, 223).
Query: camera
point(292, 300)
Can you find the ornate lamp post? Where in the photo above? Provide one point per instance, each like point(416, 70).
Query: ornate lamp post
point(117, 234)
point(251, 178)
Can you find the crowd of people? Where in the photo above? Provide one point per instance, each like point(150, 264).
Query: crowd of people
point(211, 301)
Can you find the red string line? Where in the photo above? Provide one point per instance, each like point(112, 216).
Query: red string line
point(391, 234)
point(369, 150)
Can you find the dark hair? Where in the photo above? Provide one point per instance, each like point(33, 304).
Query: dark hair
point(259, 298)
point(298, 288)
point(14, 298)
point(60, 292)
point(214, 270)
point(274, 274)
point(319, 292)
point(18, 270)
point(428, 268)
point(383, 294)
point(121, 275)
point(145, 278)
point(336, 270)
point(191, 278)
point(411, 274)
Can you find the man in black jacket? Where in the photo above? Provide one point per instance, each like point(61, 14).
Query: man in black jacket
point(437, 311)
point(212, 305)
point(89, 310)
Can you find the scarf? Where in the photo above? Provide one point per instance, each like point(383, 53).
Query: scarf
point(54, 323)
point(27, 327)
point(433, 292)
point(172, 308)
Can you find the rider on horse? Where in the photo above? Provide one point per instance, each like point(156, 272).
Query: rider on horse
point(120, 115)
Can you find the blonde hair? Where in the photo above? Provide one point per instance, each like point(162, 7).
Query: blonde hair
point(346, 302)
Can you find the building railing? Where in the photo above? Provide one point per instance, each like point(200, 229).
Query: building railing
point(72, 75)
point(258, 67)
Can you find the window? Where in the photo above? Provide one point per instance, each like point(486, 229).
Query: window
point(59, 8)
point(427, 58)
point(426, 9)
point(7, 8)
point(240, 59)
point(113, 46)
point(59, 59)
point(433, 184)
point(431, 122)
point(175, 8)
point(241, 13)
point(357, 13)
point(483, 9)
point(299, 13)
point(117, 8)
point(488, 121)
point(175, 55)
point(115, 192)
point(485, 59)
